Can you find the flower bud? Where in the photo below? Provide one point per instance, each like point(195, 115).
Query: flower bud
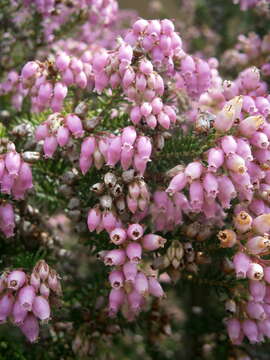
point(241, 264)
point(261, 224)
point(135, 231)
point(244, 149)
point(42, 131)
point(230, 112)
point(130, 271)
point(257, 290)
point(250, 125)
point(255, 271)
point(74, 125)
point(255, 311)
point(267, 274)
point(41, 308)
point(18, 313)
point(228, 145)
point(155, 288)
point(60, 91)
point(7, 219)
point(135, 301)
point(44, 290)
point(43, 269)
point(258, 245)
point(13, 163)
point(152, 242)
point(234, 329)
point(114, 151)
point(194, 170)
point(62, 61)
point(141, 284)
point(243, 222)
point(35, 280)
point(210, 185)
point(118, 236)
point(30, 328)
point(264, 327)
point(29, 70)
point(121, 205)
point(16, 279)
point(50, 146)
point(116, 299)
point(93, 219)
point(235, 163)
point(134, 252)
point(250, 329)
point(227, 238)
point(6, 304)
point(116, 279)
point(177, 183)
point(215, 159)
point(62, 136)
point(53, 281)
point(115, 257)
point(196, 195)
point(26, 297)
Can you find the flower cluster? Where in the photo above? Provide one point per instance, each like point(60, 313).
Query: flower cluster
point(131, 281)
point(235, 167)
point(249, 50)
point(194, 76)
point(41, 80)
point(15, 180)
point(13, 86)
point(57, 13)
point(25, 299)
point(57, 130)
point(250, 310)
point(128, 148)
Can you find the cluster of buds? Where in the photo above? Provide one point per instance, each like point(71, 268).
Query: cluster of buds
point(250, 310)
point(248, 85)
point(26, 299)
point(129, 69)
point(179, 257)
point(250, 49)
point(53, 7)
point(115, 203)
point(7, 219)
point(237, 166)
point(158, 39)
point(55, 13)
point(58, 130)
point(48, 82)
point(129, 148)
point(15, 180)
point(12, 85)
point(15, 173)
point(167, 211)
point(75, 71)
point(131, 280)
point(194, 76)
